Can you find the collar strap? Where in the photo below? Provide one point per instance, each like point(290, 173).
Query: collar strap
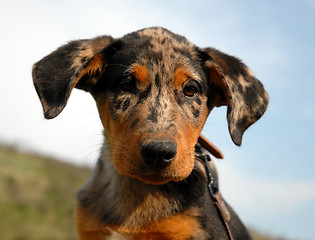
point(205, 143)
point(213, 188)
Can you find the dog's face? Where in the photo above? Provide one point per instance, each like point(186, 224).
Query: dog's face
point(154, 90)
point(152, 99)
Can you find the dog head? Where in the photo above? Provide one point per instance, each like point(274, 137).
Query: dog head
point(154, 90)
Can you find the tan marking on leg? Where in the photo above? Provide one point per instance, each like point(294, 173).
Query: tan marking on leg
point(88, 227)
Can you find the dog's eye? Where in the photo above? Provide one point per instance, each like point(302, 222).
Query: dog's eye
point(127, 84)
point(191, 89)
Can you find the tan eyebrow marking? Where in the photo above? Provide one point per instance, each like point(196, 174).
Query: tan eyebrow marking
point(181, 75)
point(140, 72)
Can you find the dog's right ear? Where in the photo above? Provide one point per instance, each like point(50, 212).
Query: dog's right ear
point(233, 84)
point(75, 64)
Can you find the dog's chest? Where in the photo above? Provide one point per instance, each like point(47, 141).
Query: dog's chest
point(180, 226)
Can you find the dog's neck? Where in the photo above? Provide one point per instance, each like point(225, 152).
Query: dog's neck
point(123, 200)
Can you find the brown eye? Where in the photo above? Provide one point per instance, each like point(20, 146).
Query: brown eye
point(191, 89)
point(128, 84)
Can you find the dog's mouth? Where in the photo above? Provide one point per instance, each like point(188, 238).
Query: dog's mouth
point(154, 179)
point(175, 172)
point(160, 179)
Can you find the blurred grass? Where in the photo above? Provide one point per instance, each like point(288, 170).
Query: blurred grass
point(37, 197)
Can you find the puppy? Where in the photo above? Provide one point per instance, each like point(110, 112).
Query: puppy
point(154, 91)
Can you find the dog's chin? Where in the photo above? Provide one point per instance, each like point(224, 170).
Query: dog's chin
point(153, 179)
point(156, 179)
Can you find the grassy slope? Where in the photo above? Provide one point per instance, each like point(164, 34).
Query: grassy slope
point(37, 197)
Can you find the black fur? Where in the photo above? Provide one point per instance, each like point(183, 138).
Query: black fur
point(103, 66)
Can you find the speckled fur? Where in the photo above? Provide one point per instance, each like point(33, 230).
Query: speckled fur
point(150, 85)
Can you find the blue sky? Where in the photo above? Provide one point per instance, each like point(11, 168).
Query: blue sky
point(270, 179)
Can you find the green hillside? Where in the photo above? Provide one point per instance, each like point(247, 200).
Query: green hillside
point(37, 196)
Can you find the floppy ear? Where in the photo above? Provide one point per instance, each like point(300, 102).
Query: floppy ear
point(72, 65)
point(233, 84)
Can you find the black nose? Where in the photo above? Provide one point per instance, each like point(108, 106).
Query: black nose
point(158, 154)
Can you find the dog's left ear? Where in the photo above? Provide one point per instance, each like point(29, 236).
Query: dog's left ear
point(233, 84)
